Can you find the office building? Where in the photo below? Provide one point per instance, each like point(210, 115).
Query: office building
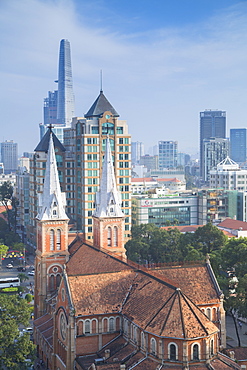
point(164, 210)
point(9, 156)
point(215, 150)
point(168, 154)
point(137, 150)
point(85, 146)
point(229, 176)
point(59, 106)
point(238, 144)
point(149, 161)
point(214, 205)
point(212, 124)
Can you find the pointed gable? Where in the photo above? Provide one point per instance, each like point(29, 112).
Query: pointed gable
point(52, 201)
point(100, 106)
point(43, 145)
point(108, 199)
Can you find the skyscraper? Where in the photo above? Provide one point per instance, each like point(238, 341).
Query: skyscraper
point(66, 101)
point(59, 105)
point(137, 151)
point(238, 143)
point(168, 154)
point(85, 147)
point(215, 150)
point(9, 156)
point(212, 125)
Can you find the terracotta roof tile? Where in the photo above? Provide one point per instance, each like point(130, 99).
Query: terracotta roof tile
point(229, 223)
point(147, 364)
point(89, 260)
point(194, 281)
point(100, 293)
point(240, 353)
point(142, 179)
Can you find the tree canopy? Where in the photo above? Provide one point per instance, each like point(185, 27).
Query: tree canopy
point(14, 349)
point(151, 244)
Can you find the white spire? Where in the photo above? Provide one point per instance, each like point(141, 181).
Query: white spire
point(108, 199)
point(52, 201)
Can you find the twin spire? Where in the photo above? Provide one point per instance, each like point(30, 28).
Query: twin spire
point(108, 199)
point(52, 201)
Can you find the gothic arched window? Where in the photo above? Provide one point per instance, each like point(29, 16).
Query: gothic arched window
point(58, 241)
point(52, 240)
point(115, 236)
point(195, 352)
point(172, 352)
point(109, 236)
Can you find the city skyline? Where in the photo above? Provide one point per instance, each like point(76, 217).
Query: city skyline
point(162, 64)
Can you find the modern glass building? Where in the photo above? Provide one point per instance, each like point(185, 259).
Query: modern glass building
point(238, 144)
point(212, 125)
point(59, 106)
point(168, 154)
point(9, 156)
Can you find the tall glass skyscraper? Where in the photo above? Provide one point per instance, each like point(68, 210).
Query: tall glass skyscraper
point(59, 106)
point(238, 143)
point(212, 125)
point(66, 101)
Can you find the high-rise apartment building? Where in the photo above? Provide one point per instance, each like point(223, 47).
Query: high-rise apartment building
point(59, 106)
point(215, 150)
point(168, 154)
point(9, 156)
point(79, 163)
point(212, 125)
point(85, 147)
point(238, 144)
point(137, 151)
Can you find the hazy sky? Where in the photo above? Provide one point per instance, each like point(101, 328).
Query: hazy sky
point(163, 62)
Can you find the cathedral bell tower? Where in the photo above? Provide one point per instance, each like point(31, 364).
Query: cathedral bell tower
point(52, 235)
point(108, 217)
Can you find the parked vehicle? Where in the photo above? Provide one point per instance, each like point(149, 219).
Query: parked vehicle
point(9, 282)
point(31, 273)
point(9, 266)
point(21, 268)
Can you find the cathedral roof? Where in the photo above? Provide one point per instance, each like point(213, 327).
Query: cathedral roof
point(110, 285)
point(52, 201)
point(108, 198)
point(44, 142)
point(100, 106)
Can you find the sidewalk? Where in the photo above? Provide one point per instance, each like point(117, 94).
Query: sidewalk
point(231, 336)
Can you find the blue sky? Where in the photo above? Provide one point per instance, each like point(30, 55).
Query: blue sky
point(163, 62)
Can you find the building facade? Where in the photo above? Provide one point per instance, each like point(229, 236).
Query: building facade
point(164, 210)
point(137, 151)
point(94, 309)
point(212, 125)
point(9, 156)
point(85, 147)
point(168, 154)
point(215, 150)
point(238, 144)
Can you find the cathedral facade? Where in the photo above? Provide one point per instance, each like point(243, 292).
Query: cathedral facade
point(94, 309)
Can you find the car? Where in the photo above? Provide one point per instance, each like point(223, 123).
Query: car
point(9, 266)
point(31, 273)
point(28, 330)
point(21, 268)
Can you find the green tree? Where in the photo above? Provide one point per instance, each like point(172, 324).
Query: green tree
point(209, 238)
point(3, 250)
point(14, 349)
point(23, 277)
point(6, 192)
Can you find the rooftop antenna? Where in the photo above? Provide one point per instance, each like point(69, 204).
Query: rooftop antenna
point(101, 81)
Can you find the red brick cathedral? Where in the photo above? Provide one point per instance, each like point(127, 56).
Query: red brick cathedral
point(94, 309)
